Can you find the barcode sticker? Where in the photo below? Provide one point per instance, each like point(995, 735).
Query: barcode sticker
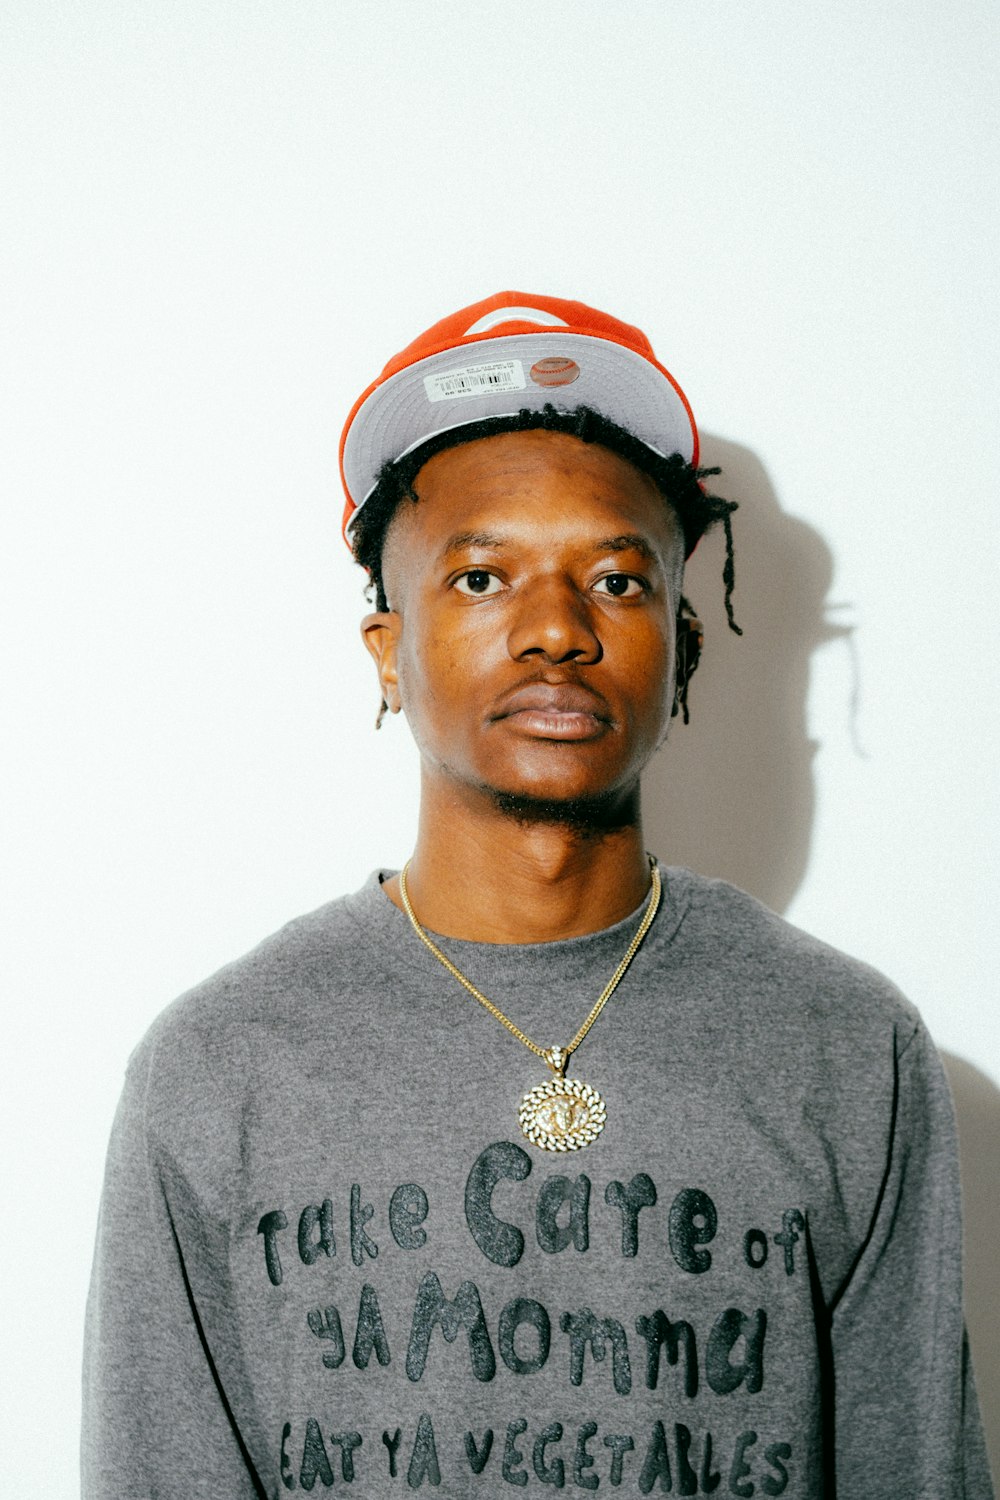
point(476, 380)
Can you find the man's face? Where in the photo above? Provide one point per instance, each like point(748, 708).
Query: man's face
point(533, 590)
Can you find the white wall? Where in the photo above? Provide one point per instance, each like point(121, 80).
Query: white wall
point(221, 219)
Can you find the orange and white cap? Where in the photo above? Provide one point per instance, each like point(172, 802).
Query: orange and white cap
point(511, 351)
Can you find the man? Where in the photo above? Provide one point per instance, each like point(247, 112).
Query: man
point(537, 1163)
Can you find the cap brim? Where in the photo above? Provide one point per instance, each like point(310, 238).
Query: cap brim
point(399, 414)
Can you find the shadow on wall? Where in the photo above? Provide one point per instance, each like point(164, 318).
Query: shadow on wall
point(977, 1106)
point(731, 794)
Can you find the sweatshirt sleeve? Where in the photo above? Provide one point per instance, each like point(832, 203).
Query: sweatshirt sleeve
point(158, 1408)
point(906, 1417)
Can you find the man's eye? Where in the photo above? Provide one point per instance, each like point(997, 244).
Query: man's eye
point(619, 585)
point(477, 582)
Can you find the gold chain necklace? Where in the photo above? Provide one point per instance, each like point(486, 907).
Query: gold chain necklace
point(562, 1114)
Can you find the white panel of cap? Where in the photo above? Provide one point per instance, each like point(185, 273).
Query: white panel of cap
point(514, 315)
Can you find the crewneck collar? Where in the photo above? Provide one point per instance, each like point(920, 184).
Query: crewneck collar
point(388, 930)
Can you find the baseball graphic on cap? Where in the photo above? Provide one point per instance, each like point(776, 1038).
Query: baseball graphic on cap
point(557, 371)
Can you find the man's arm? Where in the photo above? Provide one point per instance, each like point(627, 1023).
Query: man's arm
point(905, 1410)
point(157, 1407)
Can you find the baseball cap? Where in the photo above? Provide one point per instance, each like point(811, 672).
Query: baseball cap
point(512, 351)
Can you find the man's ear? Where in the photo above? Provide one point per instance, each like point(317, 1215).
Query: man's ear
point(690, 639)
point(380, 633)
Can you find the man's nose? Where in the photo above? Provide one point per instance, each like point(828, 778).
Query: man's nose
point(552, 621)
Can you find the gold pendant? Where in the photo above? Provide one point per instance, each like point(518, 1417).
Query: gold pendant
point(563, 1114)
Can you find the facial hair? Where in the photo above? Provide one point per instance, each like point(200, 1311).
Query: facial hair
point(588, 817)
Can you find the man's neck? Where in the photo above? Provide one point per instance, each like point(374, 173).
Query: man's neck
point(486, 875)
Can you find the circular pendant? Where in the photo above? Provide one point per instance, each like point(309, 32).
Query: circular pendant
point(562, 1115)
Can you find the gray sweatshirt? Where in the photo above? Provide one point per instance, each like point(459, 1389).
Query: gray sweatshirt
point(326, 1256)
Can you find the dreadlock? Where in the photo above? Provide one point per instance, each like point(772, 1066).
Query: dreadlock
point(679, 482)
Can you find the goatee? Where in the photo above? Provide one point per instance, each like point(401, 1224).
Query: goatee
point(586, 816)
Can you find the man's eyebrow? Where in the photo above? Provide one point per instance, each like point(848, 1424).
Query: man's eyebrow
point(462, 539)
point(627, 541)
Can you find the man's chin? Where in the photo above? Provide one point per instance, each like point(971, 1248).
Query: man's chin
point(604, 813)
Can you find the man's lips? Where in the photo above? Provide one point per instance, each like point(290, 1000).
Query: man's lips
point(554, 711)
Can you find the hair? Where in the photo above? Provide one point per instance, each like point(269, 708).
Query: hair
point(678, 481)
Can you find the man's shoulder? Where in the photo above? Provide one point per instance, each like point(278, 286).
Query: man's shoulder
point(762, 953)
point(293, 970)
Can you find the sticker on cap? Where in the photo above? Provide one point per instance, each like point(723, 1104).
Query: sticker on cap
point(476, 380)
point(557, 371)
